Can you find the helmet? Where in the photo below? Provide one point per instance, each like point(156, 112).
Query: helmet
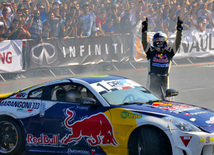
point(160, 41)
point(72, 96)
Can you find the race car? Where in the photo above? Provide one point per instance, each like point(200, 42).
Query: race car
point(101, 114)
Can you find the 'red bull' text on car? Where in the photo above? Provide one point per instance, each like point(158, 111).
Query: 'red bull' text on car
point(101, 114)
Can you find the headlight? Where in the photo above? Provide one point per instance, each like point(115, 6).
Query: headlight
point(182, 124)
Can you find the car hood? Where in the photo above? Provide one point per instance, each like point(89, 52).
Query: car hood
point(200, 117)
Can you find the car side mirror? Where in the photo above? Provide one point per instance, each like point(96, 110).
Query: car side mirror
point(88, 101)
point(171, 92)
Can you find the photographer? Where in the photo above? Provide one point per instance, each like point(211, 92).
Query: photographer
point(34, 25)
point(14, 30)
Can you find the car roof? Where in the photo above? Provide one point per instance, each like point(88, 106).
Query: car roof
point(97, 78)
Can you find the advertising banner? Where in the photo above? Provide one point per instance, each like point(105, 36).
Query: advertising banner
point(78, 51)
point(10, 56)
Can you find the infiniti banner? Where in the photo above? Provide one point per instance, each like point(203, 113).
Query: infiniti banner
point(78, 51)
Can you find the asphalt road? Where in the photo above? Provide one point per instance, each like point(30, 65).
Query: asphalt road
point(195, 82)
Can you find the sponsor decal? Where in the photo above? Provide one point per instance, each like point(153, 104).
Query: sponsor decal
point(43, 139)
point(186, 139)
point(126, 87)
point(160, 65)
point(176, 108)
point(156, 104)
point(180, 108)
point(20, 104)
point(187, 114)
point(192, 119)
point(43, 52)
point(113, 85)
point(6, 57)
point(162, 58)
point(93, 151)
point(21, 95)
point(207, 140)
point(197, 113)
point(211, 121)
point(125, 114)
point(97, 130)
point(71, 151)
point(24, 110)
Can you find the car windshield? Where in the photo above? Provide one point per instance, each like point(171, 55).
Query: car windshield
point(129, 96)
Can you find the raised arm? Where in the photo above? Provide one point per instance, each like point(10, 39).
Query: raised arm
point(145, 43)
point(178, 38)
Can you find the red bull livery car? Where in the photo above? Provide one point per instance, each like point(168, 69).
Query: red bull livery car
point(99, 115)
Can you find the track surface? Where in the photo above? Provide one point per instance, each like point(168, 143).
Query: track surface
point(195, 83)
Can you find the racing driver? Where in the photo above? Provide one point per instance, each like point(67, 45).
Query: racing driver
point(160, 57)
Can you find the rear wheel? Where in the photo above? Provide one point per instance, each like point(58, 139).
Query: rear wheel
point(149, 140)
point(12, 139)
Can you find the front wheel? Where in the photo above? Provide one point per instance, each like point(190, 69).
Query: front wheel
point(12, 139)
point(149, 140)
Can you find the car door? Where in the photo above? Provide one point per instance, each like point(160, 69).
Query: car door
point(71, 122)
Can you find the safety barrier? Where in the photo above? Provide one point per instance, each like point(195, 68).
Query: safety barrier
point(72, 56)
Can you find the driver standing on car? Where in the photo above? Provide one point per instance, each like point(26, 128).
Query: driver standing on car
point(160, 57)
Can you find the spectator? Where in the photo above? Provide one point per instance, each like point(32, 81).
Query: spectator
point(34, 24)
point(172, 23)
point(3, 22)
point(45, 31)
point(26, 12)
point(23, 33)
point(73, 13)
point(158, 22)
point(14, 5)
point(5, 14)
point(135, 30)
point(54, 25)
point(2, 33)
point(26, 4)
point(17, 15)
point(125, 23)
point(108, 27)
point(57, 14)
point(201, 24)
point(9, 7)
point(44, 10)
point(88, 21)
point(116, 18)
point(14, 30)
point(100, 20)
point(204, 13)
point(67, 28)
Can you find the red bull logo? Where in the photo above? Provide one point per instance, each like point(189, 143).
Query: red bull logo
point(43, 139)
point(96, 128)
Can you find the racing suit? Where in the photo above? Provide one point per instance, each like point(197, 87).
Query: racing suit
point(159, 63)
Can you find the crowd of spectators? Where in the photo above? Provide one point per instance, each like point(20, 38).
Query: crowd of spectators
point(42, 19)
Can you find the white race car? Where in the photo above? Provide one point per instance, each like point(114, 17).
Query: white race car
point(102, 114)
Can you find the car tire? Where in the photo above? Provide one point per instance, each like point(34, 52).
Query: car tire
point(12, 139)
point(149, 140)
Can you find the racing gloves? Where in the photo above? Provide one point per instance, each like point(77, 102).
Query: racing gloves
point(145, 26)
point(179, 24)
